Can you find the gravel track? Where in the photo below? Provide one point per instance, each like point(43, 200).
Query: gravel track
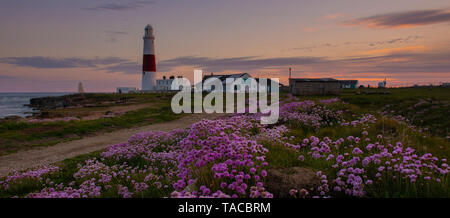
point(31, 158)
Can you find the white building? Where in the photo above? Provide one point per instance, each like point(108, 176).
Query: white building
point(165, 84)
point(382, 84)
point(125, 90)
point(208, 85)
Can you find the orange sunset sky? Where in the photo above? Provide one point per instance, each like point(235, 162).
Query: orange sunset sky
point(51, 45)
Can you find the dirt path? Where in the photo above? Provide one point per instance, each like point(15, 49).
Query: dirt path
point(31, 158)
point(116, 109)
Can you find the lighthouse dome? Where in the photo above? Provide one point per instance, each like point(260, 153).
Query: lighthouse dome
point(148, 31)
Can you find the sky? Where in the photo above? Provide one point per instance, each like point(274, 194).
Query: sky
point(51, 45)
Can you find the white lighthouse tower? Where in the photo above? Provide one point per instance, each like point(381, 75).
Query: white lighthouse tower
point(149, 61)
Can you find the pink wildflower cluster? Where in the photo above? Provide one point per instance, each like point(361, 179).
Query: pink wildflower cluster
point(183, 162)
point(112, 114)
point(308, 114)
point(33, 175)
point(365, 120)
point(405, 121)
point(359, 166)
point(87, 189)
point(225, 158)
point(147, 162)
point(330, 100)
point(221, 152)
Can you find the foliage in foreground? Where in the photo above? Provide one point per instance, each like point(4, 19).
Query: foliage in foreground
point(230, 157)
point(15, 136)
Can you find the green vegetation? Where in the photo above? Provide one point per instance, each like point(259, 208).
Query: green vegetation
point(17, 135)
point(428, 108)
point(390, 132)
point(390, 157)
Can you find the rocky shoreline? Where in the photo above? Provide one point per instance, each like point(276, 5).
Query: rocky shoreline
point(42, 104)
point(54, 102)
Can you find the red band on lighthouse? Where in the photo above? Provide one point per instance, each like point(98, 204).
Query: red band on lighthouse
point(149, 63)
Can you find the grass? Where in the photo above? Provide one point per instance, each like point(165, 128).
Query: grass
point(279, 156)
point(15, 136)
point(100, 102)
point(396, 131)
point(428, 108)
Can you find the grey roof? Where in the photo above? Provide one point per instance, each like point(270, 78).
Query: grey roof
point(314, 79)
point(349, 81)
point(223, 77)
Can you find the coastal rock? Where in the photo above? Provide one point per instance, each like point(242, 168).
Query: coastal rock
point(10, 118)
point(280, 181)
point(57, 101)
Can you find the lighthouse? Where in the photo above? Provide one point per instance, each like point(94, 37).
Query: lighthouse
point(149, 62)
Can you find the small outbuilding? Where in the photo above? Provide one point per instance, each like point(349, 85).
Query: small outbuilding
point(165, 84)
point(349, 84)
point(126, 90)
point(314, 86)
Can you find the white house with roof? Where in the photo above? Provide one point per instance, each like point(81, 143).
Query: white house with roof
point(165, 84)
point(242, 81)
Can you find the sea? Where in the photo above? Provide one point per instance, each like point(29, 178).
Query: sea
point(12, 104)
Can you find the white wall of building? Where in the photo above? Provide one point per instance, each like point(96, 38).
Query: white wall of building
point(125, 90)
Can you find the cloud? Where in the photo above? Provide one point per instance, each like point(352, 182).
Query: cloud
point(398, 62)
point(310, 29)
point(306, 48)
point(128, 67)
point(323, 45)
point(112, 36)
point(119, 6)
point(408, 39)
point(238, 63)
point(390, 42)
point(50, 62)
point(5, 77)
point(334, 16)
point(109, 64)
point(395, 50)
point(116, 32)
point(403, 19)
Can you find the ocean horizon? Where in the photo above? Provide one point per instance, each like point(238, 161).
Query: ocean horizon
point(13, 103)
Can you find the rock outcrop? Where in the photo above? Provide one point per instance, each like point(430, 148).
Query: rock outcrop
point(280, 181)
point(53, 102)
